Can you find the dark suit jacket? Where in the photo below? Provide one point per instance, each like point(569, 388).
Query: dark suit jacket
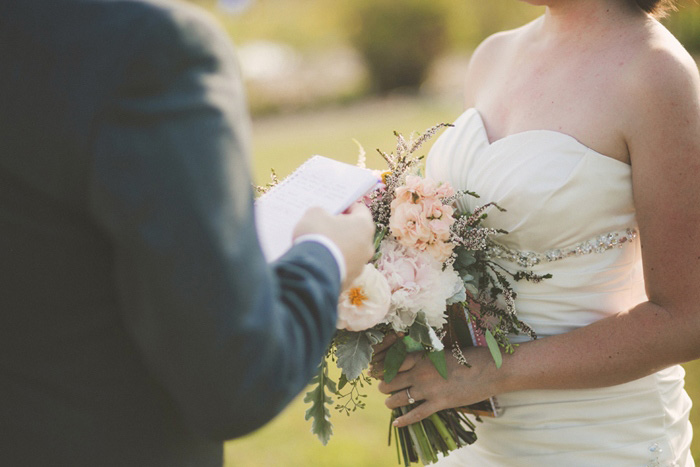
point(139, 323)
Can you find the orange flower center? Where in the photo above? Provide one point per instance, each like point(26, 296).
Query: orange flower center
point(357, 296)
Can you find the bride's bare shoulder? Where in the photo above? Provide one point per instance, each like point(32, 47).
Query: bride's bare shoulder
point(663, 80)
point(489, 55)
point(660, 58)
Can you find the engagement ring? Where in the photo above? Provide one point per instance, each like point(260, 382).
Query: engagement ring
point(411, 400)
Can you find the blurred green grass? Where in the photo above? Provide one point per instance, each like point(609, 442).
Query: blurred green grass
point(284, 142)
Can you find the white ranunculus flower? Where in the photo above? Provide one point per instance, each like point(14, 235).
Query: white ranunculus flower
point(366, 302)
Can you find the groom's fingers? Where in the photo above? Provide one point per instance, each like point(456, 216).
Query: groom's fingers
point(355, 207)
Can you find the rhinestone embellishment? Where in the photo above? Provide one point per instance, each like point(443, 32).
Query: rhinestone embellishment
point(599, 244)
point(655, 451)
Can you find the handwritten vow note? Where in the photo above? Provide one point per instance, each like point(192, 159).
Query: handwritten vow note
point(318, 182)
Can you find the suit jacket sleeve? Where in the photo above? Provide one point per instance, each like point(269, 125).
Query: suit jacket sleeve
point(230, 338)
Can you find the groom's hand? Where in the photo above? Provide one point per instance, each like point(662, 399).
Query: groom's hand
point(352, 232)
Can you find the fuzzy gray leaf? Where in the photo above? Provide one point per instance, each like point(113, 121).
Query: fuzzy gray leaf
point(354, 354)
point(374, 336)
point(420, 331)
point(318, 412)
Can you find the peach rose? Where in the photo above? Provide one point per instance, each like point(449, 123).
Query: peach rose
point(409, 225)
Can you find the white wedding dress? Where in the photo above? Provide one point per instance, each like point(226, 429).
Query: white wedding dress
point(570, 210)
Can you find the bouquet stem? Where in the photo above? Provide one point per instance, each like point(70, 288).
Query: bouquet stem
point(441, 433)
point(444, 433)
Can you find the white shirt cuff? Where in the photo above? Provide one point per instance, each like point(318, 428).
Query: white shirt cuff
point(330, 246)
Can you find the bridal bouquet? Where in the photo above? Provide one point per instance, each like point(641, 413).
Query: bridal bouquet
point(432, 280)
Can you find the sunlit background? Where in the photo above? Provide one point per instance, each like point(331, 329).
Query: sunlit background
point(320, 73)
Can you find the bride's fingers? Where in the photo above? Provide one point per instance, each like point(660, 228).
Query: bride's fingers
point(410, 361)
point(408, 364)
point(377, 366)
point(422, 411)
point(401, 399)
point(376, 371)
point(378, 357)
point(399, 382)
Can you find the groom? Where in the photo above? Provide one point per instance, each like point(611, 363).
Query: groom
point(139, 323)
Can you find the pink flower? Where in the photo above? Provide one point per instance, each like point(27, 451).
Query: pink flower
point(440, 250)
point(365, 303)
point(434, 209)
point(418, 283)
point(445, 190)
point(423, 187)
point(409, 225)
point(420, 220)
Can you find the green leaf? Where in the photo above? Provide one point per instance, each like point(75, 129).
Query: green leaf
point(354, 354)
point(321, 425)
point(330, 384)
point(493, 347)
point(412, 345)
point(394, 358)
point(379, 236)
point(342, 381)
point(419, 330)
point(439, 361)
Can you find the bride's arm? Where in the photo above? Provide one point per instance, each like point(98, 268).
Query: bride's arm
point(664, 141)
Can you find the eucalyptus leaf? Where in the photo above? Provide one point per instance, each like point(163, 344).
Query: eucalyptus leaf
point(394, 358)
point(464, 259)
point(439, 362)
point(321, 424)
point(354, 354)
point(493, 347)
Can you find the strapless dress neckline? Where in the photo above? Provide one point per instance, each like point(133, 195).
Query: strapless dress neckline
point(542, 132)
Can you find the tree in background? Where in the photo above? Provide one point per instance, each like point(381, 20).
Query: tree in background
point(399, 43)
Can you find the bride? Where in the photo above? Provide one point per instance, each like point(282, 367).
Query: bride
point(585, 125)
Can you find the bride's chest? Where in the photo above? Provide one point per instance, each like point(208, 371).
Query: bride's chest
point(556, 191)
point(587, 104)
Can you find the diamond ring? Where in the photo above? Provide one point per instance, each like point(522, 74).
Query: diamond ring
point(411, 400)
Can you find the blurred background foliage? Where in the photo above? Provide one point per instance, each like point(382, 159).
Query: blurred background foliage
point(307, 53)
point(320, 73)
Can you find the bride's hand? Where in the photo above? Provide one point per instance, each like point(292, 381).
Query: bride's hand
point(464, 385)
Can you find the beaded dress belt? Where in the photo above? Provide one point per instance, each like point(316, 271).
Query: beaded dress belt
point(599, 244)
